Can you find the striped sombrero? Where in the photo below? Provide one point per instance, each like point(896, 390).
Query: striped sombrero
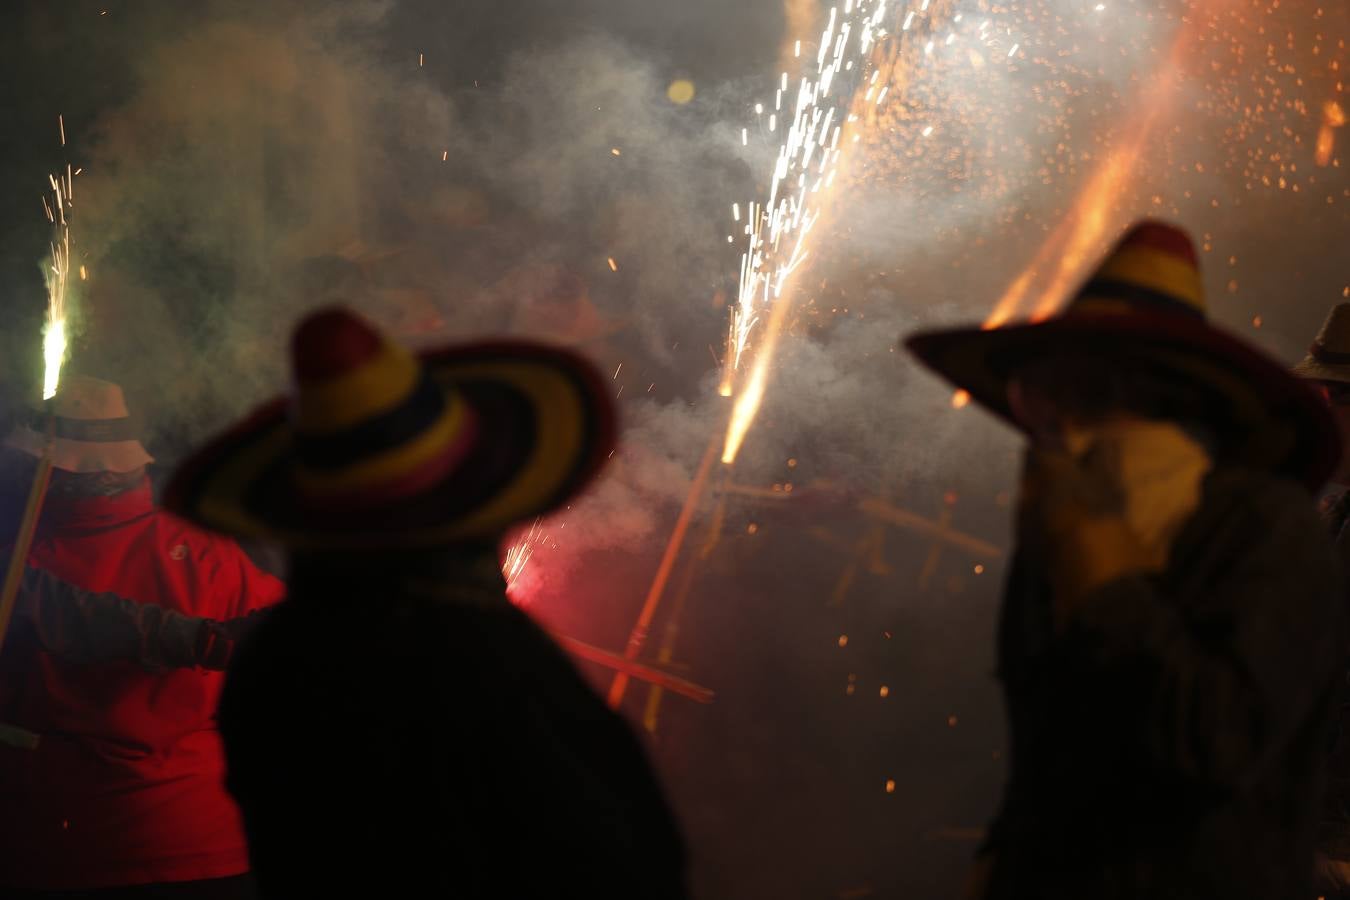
point(1146, 304)
point(378, 447)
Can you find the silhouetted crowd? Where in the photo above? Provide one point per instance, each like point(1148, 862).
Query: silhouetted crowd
point(175, 722)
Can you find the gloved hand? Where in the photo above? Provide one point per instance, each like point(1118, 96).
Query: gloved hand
point(90, 627)
point(216, 640)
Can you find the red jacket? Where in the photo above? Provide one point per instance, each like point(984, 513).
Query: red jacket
point(127, 784)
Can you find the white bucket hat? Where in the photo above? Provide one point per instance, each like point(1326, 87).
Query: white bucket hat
point(91, 427)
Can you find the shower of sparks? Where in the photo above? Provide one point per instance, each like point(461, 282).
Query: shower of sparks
point(1101, 207)
point(519, 554)
point(58, 270)
point(778, 229)
point(1203, 111)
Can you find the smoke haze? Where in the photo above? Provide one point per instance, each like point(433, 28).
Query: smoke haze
point(459, 169)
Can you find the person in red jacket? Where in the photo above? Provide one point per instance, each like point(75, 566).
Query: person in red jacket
point(117, 787)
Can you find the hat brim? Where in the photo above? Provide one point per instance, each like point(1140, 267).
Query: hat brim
point(544, 428)
point(82, 456)
point(1314, 370)
point(1285, 425)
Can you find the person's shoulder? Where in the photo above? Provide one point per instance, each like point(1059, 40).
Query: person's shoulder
point(494, 623)
point(498, 638)
point(185, 540)
point(1261, 492)
point(215, 559)
point(1267, 506)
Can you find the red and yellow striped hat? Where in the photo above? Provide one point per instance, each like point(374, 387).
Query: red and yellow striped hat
point(378, 447)
point(1147, 302)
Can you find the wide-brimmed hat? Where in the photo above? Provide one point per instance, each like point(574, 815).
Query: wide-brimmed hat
point(1328, 358)
point(379, 448)
point(89, 427)
point(1145, 305)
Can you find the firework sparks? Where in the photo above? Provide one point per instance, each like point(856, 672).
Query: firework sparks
point(1333, 117)
point(519, 554)
point(752, 394)
point(778, 229)
point(1098, 207)
point(54, 333)
point(53, 353)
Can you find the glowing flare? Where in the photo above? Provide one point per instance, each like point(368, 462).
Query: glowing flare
point(747, 406)
point(1333, 117)
point(1326, 145)
point(1097, 209)
point(752, 395)
point(680, 91)
point(53, 354)
point(54, 335)
point(518, 555)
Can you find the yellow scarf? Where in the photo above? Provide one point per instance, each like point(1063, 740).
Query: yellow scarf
point(1158, 468)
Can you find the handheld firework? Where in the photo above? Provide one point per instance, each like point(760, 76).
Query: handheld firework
point(776, 233)
point(53, 354)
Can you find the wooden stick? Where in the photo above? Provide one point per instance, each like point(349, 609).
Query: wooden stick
point(756, 492)
point(608, 658)
point(930, 565)
point(12, 735)
point(672, 630)
point(906, 519)
point(23, 541)
point(638, 635)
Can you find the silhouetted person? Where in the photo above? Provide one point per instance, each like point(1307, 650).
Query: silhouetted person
point(1173, 630)
point(396, 728)
point(111, 772)
point(1327, 366)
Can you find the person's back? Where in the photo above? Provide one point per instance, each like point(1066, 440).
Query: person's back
point(395, 727)
point(124, 787)
point(1327, 369)
point(434, 744)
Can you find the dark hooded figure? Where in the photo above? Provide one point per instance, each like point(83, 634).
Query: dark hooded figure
point(395, 727)
point(1173, 631)
point(1327, 367)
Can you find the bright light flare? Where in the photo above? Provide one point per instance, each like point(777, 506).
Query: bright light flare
point(53, 354)
point(1100, 206)
point(54, 342)
point(519, 554)
point(1333, 117)
point(752, 393)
